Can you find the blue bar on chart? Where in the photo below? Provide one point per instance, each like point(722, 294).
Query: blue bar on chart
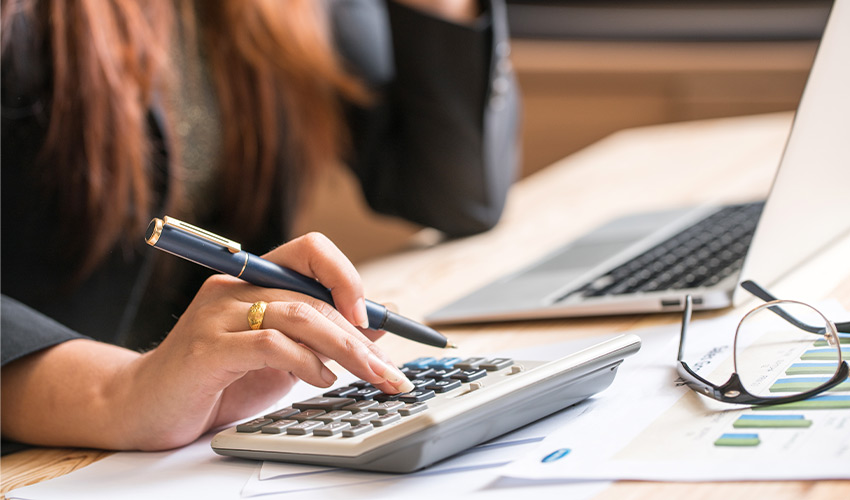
point(828, 402)
point(767, 421)
point(803, 384)
point(827, 354)
point(811, 369)
point(737, 439)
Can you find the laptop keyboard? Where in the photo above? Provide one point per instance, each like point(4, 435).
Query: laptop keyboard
point(699, 256)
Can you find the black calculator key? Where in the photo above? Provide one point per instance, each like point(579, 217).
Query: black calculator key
point(323, 403)
point(367, 393)
point(360, 384)
point(422, 382)
point(492, 365)
point(470, 375)
point(283, 413)
point(424, 373)
point(443, 385)
point(253, 425)
point(340, 392)
point(384, 397)
point(417, 396)
point(440, 374)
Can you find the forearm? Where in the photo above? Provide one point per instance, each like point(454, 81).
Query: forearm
point(74, 394)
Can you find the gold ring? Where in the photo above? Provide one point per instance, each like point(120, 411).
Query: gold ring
point(255, 314)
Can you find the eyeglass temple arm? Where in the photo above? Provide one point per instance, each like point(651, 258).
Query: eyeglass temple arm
point(766, 296)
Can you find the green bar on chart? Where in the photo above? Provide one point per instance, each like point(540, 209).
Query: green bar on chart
point(825, 354)
point(843, 339)
point(803, 384)
point(829, 402)
point(811, 369)
point(767, 421)
point(735, 439)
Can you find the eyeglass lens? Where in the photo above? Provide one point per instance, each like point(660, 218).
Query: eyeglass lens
point(776, 358)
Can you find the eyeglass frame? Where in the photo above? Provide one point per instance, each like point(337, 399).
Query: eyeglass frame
point(733, 391)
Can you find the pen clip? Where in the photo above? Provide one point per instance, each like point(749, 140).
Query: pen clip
point(231, 245)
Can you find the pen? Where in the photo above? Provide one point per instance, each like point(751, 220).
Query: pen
point(223, 255)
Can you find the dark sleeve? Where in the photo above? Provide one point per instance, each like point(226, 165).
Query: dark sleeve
point(24, 331)
point(439, 145)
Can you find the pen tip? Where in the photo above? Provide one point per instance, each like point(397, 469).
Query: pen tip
point(449, 345)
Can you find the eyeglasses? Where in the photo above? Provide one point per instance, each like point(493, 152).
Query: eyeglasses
point(779, 336)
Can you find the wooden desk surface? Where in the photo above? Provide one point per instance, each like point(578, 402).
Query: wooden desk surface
point(632, 170)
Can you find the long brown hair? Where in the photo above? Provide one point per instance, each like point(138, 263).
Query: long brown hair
point(278, 84)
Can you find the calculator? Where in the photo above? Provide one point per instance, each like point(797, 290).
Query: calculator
point(456, 404)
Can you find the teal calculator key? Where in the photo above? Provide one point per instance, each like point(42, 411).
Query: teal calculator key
point(445, 363)
point(420, 363)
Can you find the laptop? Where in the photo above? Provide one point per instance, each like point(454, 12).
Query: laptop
point(648, 262)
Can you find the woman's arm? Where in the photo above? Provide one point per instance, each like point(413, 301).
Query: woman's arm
point(210, 370)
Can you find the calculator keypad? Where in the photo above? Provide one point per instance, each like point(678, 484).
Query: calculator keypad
point(360, 408)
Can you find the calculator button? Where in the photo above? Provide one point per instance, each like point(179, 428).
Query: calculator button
point(305, 427)
point(253, 425)
point(388, 407)
point(283, 413)
point(470, 375)
point(420, 363)
point(340, 392)
point(366, 393)
point(412, 409)
point(470, 363)
point(492, 365)
point(422, 382)
point(384, 397)
point(444, 363)
point(333, 416)
point(360, 405)
point(323, 403)
point(278, 426)
point(357, 430)
point(440, 374)
point(308, 414)
point(443, 385)
point(417, 396)
point(386, 419)
point(360, 384)
point(424, 373)
point(331, 429)
point(361, 417)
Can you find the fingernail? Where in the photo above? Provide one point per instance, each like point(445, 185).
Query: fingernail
point(328, 376)
point(360, 314)
point(390, 373)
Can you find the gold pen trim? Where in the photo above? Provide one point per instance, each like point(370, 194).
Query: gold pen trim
point(244, 265)
point(231, 245)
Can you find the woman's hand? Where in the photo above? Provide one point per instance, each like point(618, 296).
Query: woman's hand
point(459, 11)
point(212, 368)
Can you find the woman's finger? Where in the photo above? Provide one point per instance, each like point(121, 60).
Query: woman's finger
point(314, 255)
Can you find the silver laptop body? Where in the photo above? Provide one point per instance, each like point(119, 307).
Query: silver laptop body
point(808, 208)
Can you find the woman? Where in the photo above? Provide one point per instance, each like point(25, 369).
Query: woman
point(218, 113)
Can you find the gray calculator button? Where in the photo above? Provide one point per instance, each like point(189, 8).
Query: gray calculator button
point(361, 417)
point(333, 416)
point(470, 363)
point(253, 425)
point(412, 409)
point(441, 374)
point(278, 426)
point(323, 403)
point(492, 365)
point(360, 405)
point(357, 430)
point(386, 419)
point(388, 407)
point(331, 429)
point(308, 414)
point(417, 396)
point(443, 385)
point(305, 427)
point(282, 413)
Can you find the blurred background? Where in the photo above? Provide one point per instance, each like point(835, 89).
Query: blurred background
point(591, 67)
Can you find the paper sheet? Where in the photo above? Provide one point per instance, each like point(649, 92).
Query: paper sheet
point(653, 430)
